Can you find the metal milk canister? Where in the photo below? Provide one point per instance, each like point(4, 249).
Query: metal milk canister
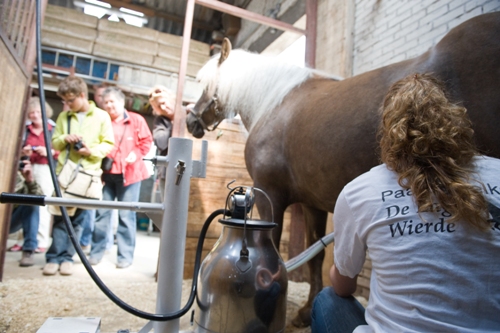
point(242, 283)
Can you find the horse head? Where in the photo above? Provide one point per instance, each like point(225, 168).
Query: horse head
point(208, 110)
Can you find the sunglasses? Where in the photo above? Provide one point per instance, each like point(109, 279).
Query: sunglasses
point(156, 91)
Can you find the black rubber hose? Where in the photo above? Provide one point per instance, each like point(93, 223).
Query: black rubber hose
point(71, 233)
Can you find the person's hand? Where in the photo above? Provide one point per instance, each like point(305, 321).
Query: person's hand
point(41, 150)
point(84, 151)
point(72, 138)
point(27, 150)
point(27, 172)
point(131, 158)
point(190, 107)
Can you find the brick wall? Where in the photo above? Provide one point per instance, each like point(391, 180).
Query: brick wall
point(388, 31)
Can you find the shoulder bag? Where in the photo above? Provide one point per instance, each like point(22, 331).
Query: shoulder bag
point(76, 182)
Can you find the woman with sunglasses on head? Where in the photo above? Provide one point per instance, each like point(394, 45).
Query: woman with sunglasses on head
point(429, 217)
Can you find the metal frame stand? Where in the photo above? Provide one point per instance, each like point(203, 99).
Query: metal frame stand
point(180, 169)
point(171, 215)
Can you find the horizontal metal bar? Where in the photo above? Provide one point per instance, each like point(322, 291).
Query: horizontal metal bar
point(144, 207)
point(248, 15)
point(309, 253)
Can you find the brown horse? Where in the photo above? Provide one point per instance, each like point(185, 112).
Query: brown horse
point(310, 135)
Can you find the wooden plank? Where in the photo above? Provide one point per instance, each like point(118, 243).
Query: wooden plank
point(73, 29)
point(117, 53)
point(172, 65)
point(66, 42)
point(173, 52)
point(72, 16)
point(176, 41)
point(127, 43)
point(12, 95)
point(122, 28)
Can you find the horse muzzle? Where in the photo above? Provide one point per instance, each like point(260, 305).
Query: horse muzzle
point(194, 127)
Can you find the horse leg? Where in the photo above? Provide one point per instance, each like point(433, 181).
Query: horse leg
point(315, 229)
point(275, 214)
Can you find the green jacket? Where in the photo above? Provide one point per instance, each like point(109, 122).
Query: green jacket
point(97, 134)
point(24, 188)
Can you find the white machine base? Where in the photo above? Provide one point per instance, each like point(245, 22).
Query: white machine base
point(71, 325)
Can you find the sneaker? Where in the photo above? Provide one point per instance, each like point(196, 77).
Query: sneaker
point(94, 261)
point(66, 268)
point(123, 264)
point(40, 250)
point(15, 248)
point(27, 259)
point(50, 268)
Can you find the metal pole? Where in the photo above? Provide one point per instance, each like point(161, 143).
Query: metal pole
point(180, 114)
point(173, 234)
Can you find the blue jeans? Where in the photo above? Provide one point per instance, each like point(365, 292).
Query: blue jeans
point(334, 314)
point(62, 249)
point(87, 229)
point(28, 218)
point(127, 219)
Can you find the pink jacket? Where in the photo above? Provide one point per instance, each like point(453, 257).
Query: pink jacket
point(131, 134)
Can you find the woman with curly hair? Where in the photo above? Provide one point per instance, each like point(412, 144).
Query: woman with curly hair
point(429, 218)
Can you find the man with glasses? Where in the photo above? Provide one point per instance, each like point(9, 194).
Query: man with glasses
point(89, 139)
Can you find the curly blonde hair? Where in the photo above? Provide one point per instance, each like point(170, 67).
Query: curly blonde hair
point(428, 142)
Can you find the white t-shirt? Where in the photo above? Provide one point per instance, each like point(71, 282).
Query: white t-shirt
point(427, 275)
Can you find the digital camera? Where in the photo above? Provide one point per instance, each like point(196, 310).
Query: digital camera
point(78, 145)
point(22, 162)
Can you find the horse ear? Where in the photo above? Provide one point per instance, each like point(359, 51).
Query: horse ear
point(225, 50)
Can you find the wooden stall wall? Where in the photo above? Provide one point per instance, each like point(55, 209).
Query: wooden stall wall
point(17, 56)
point(225, 163)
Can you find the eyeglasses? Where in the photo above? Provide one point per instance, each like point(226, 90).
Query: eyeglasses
point(69, 101)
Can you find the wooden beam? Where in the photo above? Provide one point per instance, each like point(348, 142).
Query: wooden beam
point(158, 13)
point(248, 15)
point(143, 9)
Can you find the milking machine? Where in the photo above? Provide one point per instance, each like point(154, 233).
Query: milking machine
point(241, 285)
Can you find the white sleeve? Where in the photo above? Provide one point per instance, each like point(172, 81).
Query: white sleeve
point(349, 248)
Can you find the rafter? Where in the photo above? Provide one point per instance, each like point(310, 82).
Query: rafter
point(151, 12)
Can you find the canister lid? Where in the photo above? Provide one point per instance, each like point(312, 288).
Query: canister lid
point(251, 224)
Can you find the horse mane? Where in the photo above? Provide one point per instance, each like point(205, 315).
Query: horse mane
point(251, 84)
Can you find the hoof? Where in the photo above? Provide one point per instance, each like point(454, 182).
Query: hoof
point(303, 318)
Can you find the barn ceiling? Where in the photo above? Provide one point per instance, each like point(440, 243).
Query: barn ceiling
point(210, 26)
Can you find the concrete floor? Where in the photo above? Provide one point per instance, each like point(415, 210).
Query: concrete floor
point(142, 269)
point(25, 288)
